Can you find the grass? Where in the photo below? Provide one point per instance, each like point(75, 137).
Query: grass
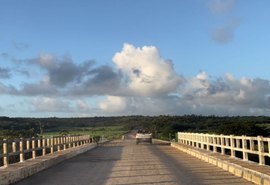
point(109, 132)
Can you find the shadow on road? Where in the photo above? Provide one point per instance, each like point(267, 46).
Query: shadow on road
point(90, 168)
point(190, 170)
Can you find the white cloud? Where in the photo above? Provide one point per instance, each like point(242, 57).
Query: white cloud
point(141, 82)
point(146, 72)
point(47, 104)
point(46, 60)
point(240, 95)
point(113, 104)
point(82, 106)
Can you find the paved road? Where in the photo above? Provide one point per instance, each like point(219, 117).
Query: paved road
point(124, 162)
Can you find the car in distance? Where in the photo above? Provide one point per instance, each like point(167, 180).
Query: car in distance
point(143, 136)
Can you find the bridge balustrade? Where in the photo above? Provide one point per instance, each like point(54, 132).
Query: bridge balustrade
point(229, 144)
point(19, 150)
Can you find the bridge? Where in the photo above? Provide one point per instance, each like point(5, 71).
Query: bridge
point(193, 159)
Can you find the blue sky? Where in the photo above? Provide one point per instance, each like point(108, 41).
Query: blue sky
point(122, 57)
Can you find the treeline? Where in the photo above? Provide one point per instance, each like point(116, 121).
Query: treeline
point(163, 126)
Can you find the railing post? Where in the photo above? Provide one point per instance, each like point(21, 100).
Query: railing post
point(252, 148)
point(64, 143)
point(207, 142)
point(232, 146)
point(69, 142)
point(44, 146)
point(27, 144)
point(268, 139)
point(222, 144)
point(52, 144)
point(193, 143)
point(202, 141)
point(78, 140)
point(244, 147)
point(261, 150)
point(33, 148)
point(237, 143)
point(74, 141)
point(21, 150)
point(58, 144)
point(14, 146)
point(215, 141)
point(39, 142)
point(5, 153)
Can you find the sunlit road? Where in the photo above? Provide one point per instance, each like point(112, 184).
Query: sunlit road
point(124, 162)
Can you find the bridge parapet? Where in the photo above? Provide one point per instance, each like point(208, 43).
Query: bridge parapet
point(19, 150)
point(229, 144)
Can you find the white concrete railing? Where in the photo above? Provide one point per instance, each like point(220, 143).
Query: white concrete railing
point(229, 144)
point(33, 147)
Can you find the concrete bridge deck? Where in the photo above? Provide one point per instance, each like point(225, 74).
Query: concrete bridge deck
point(124, 162)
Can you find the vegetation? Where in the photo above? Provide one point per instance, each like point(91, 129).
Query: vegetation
point(163, 127)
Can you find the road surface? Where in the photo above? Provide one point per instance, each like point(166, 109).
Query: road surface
point(124, 162)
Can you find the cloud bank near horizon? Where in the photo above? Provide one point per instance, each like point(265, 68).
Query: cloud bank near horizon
point(140, 82)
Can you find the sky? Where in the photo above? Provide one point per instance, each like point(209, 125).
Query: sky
point(85, 58)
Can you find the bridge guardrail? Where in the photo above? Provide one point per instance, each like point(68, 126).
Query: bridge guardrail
point(231, 144)
point(19, 150)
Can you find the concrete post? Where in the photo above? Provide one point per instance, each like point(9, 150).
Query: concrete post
point(193, 142)
point(44, 146)
point(5, 153)
point(69, 141)
point(244, 146)
point(208, 143)
point(58, 144)
point(39, 143)
point(202, 141)
point(261, 150)
point(52, 144)
point(27, 145)
point(268, 139)
point(78, 140)
point(237, 143)
point(222, 144)
point(227, 141)
point(14, 146)
point(252, 148)
point(215, 144)
point(232, 146)
point(21, 150)
point(64, 143)
point(33, 148)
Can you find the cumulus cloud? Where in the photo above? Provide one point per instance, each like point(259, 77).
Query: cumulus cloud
point(43, 87)
point(228, 92)
point(102, 80)
point(140, 82)
point(82, 106)
point(64, 77)
point(146, 72)
point(62, 71)
point(113, 104)
point(47, 104)
point(201, 94)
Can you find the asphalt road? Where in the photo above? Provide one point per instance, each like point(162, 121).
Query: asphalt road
point(124, 162)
